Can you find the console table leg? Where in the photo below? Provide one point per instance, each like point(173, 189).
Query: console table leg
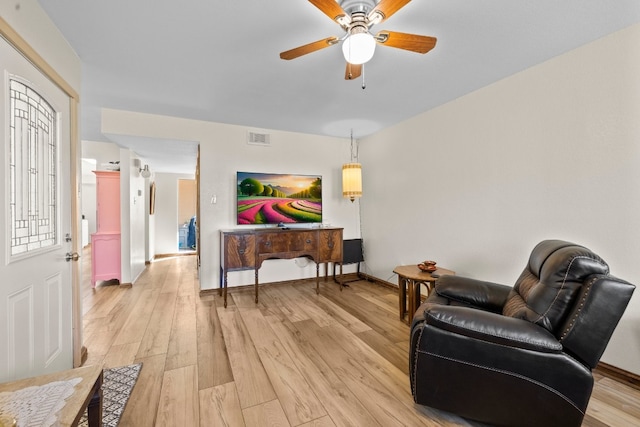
point(224, 290)
point(256, 285)
point(317, 278)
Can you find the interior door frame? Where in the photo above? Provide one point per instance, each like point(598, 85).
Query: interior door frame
point(21, 45)
point(198, 216)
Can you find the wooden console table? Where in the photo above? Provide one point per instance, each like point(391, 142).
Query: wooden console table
point(86, 395)
point(410, 277)
point(246, 249)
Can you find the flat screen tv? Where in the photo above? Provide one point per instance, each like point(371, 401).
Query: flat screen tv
point(270, 198)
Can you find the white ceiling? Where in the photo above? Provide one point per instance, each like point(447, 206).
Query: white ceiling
point(219, 60)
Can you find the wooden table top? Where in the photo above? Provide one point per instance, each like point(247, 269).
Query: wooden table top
point(76, 402)
point(414, 273)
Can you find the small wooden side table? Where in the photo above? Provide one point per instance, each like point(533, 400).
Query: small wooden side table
point(410, 277)
point(87, 394)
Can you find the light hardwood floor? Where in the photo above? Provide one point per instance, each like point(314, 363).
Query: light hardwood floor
point(294, 359)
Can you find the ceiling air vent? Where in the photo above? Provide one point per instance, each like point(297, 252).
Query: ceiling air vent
point(258, 138)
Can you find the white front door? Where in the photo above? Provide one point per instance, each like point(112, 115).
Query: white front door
point(35, 279)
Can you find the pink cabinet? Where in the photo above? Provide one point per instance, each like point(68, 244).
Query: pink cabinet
point(105, 257)
point(107, 201)
point(105, 242)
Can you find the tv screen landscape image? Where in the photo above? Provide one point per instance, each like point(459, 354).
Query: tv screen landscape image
point(268, 198)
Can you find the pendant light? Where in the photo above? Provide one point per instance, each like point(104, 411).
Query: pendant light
point(352, 175)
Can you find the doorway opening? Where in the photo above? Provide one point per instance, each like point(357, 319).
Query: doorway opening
point(187, 221)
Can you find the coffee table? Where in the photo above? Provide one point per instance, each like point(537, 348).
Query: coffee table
point(410, 277)
point(86, 395)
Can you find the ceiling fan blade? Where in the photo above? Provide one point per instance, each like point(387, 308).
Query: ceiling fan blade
point(385, 9)
point(331, 8)
point(353, 71)
point(308, 48)
point(412, 42)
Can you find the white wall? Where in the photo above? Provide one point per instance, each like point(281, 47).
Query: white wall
point(133, 212)
point(552, 152)
point(88, 194)
point(34, 26)
point(224, 151)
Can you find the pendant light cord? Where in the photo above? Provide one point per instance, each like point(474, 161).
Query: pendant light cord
point(364, 84)
point(353, 158)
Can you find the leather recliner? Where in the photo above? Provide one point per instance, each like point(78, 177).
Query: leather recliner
point(521, 355)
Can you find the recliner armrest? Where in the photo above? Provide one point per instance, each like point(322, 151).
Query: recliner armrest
point(486, 295)
point(491, 327)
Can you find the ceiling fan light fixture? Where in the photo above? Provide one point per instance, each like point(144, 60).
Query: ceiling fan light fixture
point(375, 17)
point(358, 48)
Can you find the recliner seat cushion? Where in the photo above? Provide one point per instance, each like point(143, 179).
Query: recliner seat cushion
point(544, 292)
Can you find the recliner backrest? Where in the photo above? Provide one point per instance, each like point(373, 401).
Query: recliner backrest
point(592, 320)
point(546, 290)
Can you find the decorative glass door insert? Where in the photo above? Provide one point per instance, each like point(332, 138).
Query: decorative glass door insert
point(33, 172)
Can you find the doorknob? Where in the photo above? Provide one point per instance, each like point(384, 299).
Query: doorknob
point(71, 256)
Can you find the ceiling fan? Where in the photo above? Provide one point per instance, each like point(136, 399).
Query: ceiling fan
point(356, 17)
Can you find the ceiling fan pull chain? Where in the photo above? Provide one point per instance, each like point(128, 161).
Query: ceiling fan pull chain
point(364, 85)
